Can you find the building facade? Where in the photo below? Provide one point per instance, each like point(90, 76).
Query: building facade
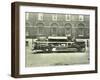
point(54, 24)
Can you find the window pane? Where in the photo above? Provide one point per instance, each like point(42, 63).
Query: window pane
point(54, 17)
point(81, 18)
point(40, 16)
point(68, 17)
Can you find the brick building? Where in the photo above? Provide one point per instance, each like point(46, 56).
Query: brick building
point(52, 24)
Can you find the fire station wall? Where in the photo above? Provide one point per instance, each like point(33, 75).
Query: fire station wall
point(47, 25)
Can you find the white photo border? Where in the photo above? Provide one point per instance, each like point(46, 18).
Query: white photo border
point(55, 69)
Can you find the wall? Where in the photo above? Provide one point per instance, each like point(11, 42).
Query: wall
point(5, 40)
point(59, 27)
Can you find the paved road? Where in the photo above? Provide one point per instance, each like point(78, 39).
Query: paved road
point(51, 59)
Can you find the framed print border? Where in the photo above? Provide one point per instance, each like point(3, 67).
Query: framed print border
point(15, 38)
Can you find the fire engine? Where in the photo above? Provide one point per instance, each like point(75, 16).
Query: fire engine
point(60, 44)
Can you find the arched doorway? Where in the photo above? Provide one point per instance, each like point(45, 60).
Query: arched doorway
point(68, 29)
point(40, 29)
point(80, 30)
point(53, 31)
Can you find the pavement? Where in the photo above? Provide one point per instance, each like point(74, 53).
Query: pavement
point(52, 59)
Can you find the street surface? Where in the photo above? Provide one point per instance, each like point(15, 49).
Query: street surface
point(51, 59)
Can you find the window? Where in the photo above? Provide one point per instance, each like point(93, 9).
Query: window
point(81, 30)
point(68, 28)
point(54, 17)
point(68, 31)
point(81, 18)
point(54, 29)
point(40, 16)
point(40, 28)
point(68, 17)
